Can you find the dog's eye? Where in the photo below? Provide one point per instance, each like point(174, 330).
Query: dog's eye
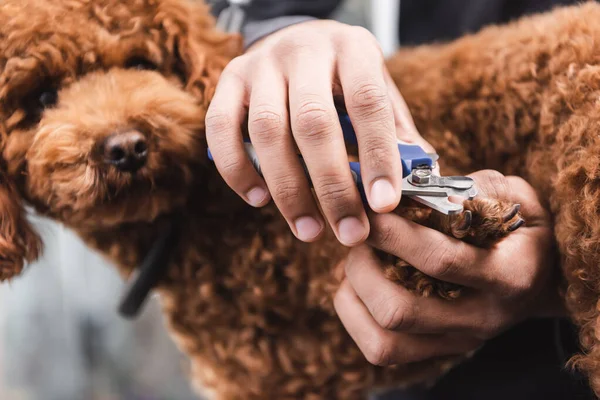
point(38, 101)
point(141, 64)
point(48, 98)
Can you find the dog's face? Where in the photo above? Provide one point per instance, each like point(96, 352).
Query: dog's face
point(102, 106)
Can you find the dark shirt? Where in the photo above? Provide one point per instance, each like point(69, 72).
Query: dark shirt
point(421, 21)
point(424, 21)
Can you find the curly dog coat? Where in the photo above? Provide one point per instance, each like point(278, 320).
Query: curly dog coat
point(102, 107)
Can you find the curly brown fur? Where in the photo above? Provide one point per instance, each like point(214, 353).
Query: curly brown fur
point(249, 304)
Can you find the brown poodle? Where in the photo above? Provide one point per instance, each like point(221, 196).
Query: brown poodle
point(102, 107)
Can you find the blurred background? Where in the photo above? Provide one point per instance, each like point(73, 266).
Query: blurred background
point(60, 335)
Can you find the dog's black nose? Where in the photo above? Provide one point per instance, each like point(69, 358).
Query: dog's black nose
point(128, 151)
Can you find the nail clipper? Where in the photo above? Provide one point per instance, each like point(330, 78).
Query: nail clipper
point(419, 179)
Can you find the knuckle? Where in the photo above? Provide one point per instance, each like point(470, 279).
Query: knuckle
point(294, 48)
point(290, 44)
point(238, 69)
point(362, 33)
point(516, 181)
point(395, 314)
point(314, 121)
point(384, 233)
point(495, 184)
point(286, 191)
point(263, 122)
point(376, 154)
point(378, 351)
point(332, 190)
point(231, 166)
point(218, 121)
point(237, 65)
point(496, 177)
point(342, 297)
point(371, 101)
point(521, 285)
point(442, 259)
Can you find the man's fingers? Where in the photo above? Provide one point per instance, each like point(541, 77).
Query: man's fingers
point(268, 125)
point(223, 134)
point(318, 134)
point(385, 347)
point(531, 208)
point(451, 260)
point(395, 308)
point(431, 252)
point(492, 184)
point(361, 74)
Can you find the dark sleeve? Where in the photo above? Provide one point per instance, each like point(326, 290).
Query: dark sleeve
point(426, 21)
point(267, 16)
point(266, 9)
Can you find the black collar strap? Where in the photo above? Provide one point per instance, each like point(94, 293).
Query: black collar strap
point(151, 271)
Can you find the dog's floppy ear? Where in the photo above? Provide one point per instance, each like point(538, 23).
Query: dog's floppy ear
point(201, 51)
point(19, 243)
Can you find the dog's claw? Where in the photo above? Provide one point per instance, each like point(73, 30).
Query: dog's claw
point(512, 213)
point(516, 225)
point(468, 220)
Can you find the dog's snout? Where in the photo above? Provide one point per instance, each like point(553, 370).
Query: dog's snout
point(127, 151)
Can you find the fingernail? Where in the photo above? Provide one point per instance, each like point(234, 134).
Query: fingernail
point(256, 196)
point(383, 194)
point(307, 228)
point(351, 231)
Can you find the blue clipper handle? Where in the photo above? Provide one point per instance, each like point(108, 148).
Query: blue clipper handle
point(347, 129)
point(355, 168)
point(411, 155)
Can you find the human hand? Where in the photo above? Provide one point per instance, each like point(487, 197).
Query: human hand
point(286, 85)
point(506, 284)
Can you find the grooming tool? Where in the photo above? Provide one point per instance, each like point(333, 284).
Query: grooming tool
point(419, 180)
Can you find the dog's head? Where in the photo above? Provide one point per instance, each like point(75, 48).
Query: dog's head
point(102, 106)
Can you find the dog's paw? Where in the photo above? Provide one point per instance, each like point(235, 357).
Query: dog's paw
point(485, 221)
point(482, 223)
